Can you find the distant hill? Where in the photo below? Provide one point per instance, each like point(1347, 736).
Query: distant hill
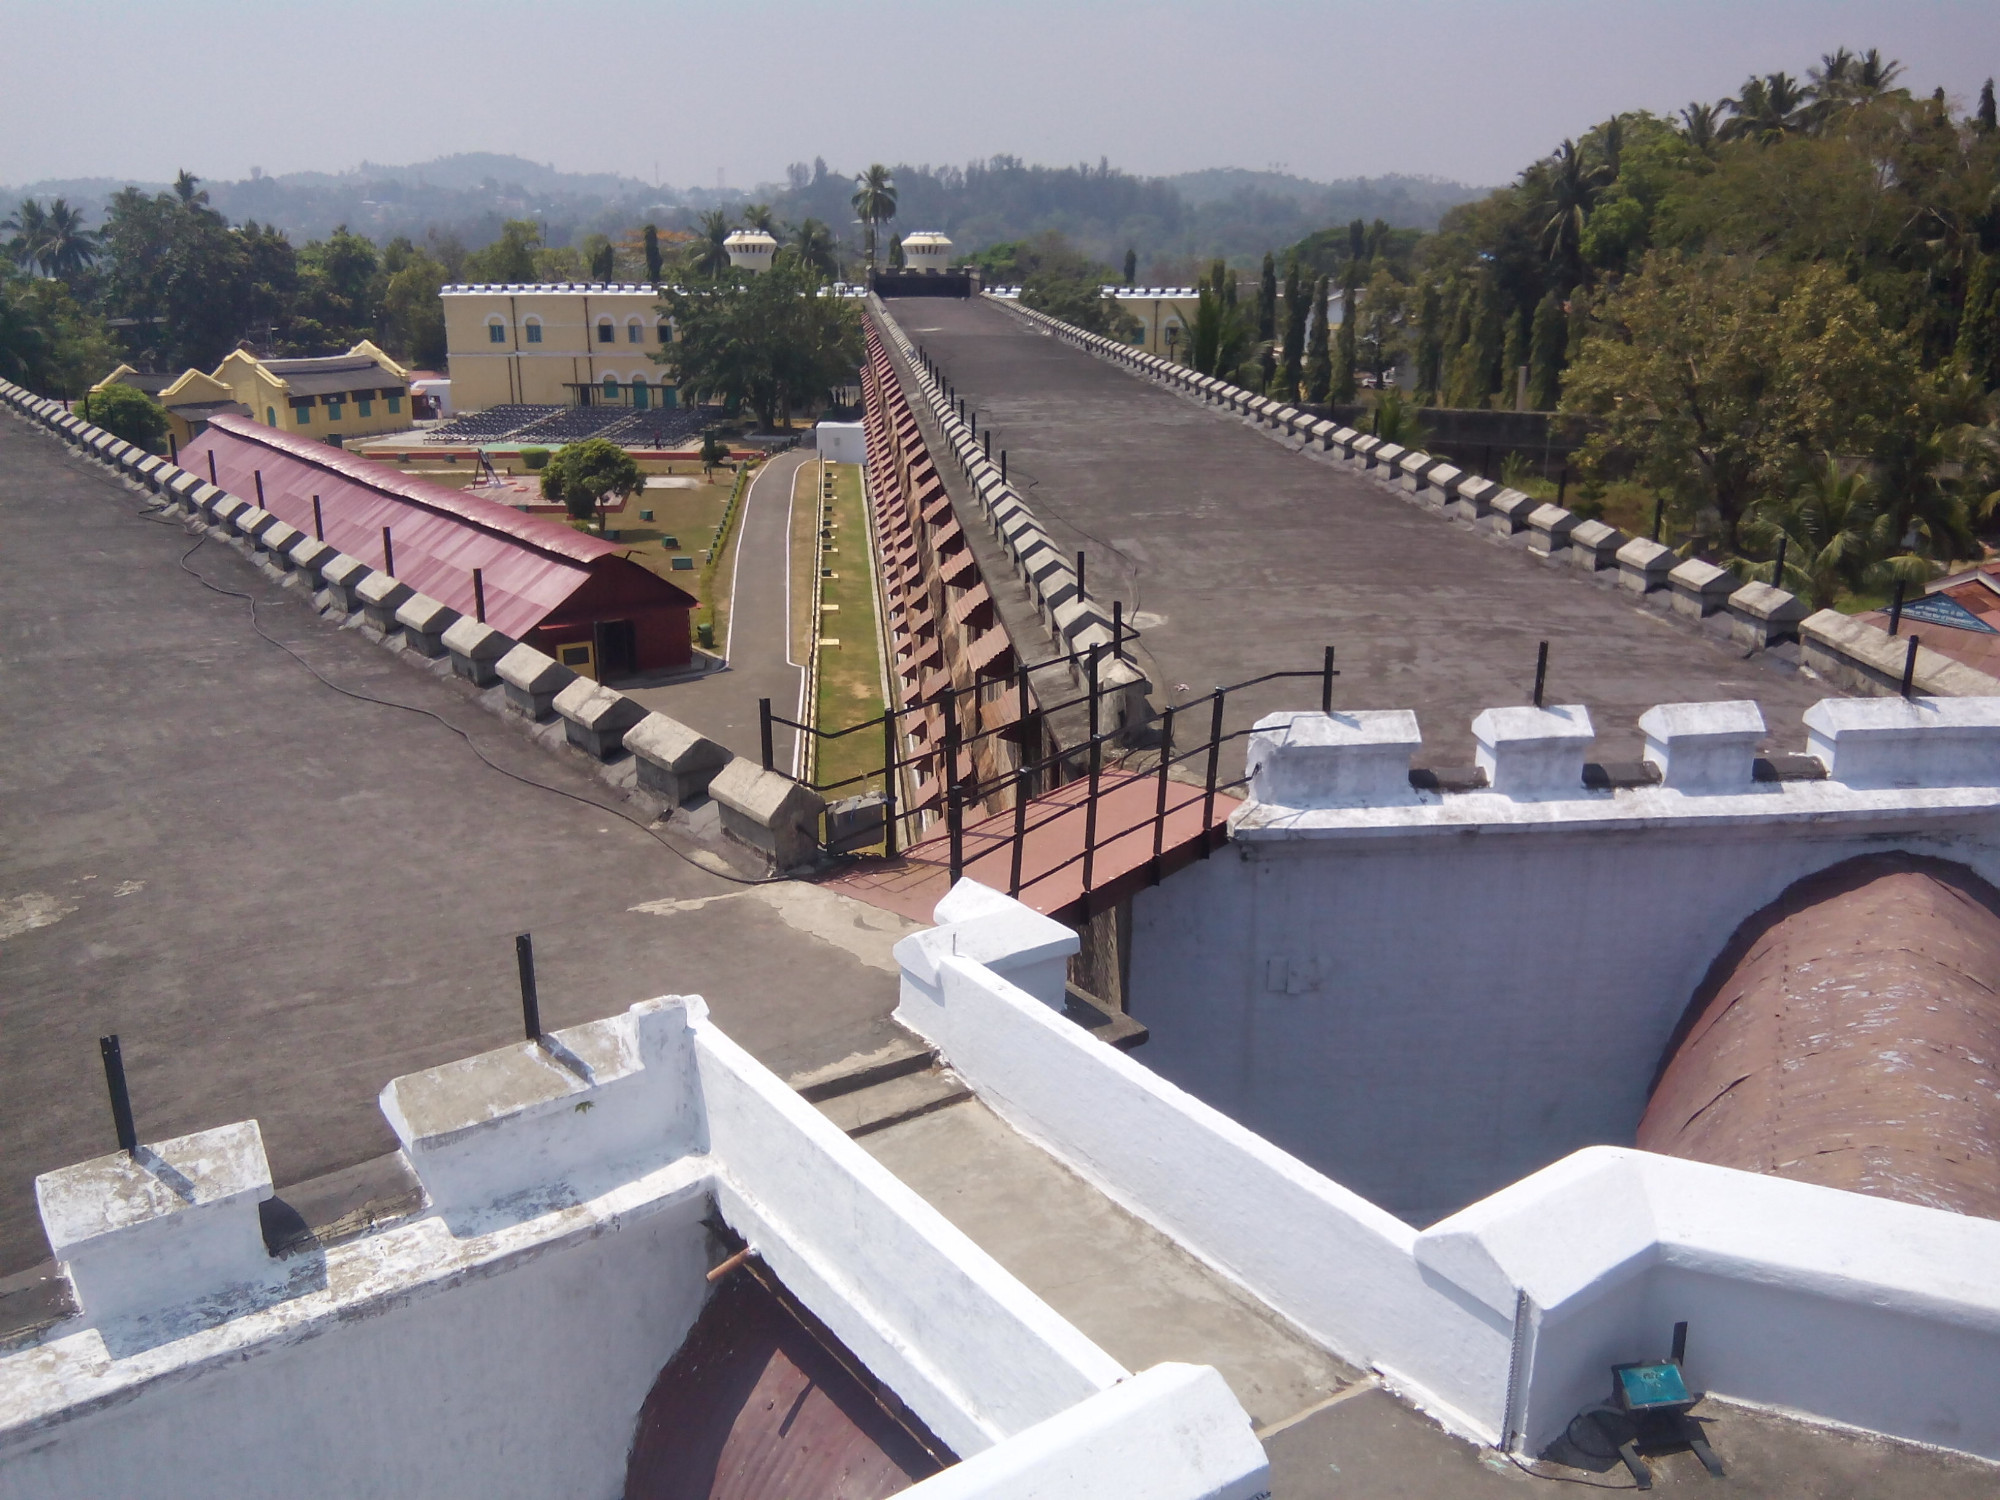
point(1172, 222)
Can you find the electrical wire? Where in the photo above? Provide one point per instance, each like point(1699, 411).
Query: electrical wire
point(256, 624)
point(1593, 1484)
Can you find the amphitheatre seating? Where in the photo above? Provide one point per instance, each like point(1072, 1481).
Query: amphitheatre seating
point(665, 428)
point(570, 424)
point(487, 426)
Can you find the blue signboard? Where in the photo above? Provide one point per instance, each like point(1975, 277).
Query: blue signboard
point(1941, 609)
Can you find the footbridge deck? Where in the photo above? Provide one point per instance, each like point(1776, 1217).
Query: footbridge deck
point(1229, 551)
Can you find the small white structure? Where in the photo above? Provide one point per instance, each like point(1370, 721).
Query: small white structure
point(750, 250)
point(841, 442)
point(926, 250)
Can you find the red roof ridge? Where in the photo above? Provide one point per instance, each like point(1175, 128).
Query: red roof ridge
point(549, 537)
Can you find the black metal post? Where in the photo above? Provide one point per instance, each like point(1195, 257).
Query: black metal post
point(1659, 516)
point(954, 814)
point(889, 782)
point(764, 732)
point(1160, 798)
point(1003, 465)
point(211, 468)
point(1562, 484)
point(1910, 667)
point(388, 553)
point(988, 441)
point(948, 776)
point(1020, 827)
point(531, 1004)
point(1021, 707)
point(479, 594)
point(1896, 608)
point(173, 450)
point(1082, 592)
point(1326, 676)
point(1778, 563)
point(1096, 774)
point(259, 475)
point(1118, 628)
point(319, 522)
point(121, 1101)
point(1214, 762)
point(1541, 671)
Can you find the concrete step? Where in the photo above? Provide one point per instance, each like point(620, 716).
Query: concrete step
point(894, 1100)
point(906, 1054)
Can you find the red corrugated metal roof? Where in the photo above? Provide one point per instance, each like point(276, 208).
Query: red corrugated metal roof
point(528, 566)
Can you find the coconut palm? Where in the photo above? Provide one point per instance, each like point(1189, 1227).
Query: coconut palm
point(758, 216)
point(1701, 123)
point(1767, 109)
point(875, 200)
point(1835, 534)
point(1573, 186)
point(29, 226)
point(709, 254)
point(52, 239)
point(813, 244)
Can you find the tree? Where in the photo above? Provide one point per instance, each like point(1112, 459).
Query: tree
point(1986, 120)
point(1547, 340)
point(339, 290)
point(1573, 188)
point(50, 240)
point(582, 476)
point(1709, 375)
point(1319, 352)
point(709, 257)
point(714, 452)
point(1346, 354)
point(1267, 299)
point(1379, 336)
point(813, 244)
point(1219, 334)
point(1430, 340)
point(511, 257)
point(129, 414)
point(768, 340)
point(47, 342)
point(412, 324)
point(1291, 366)
point(655, 262)
point(875, 201)
point(1131, 266)
point(896, 252)
point(1978, 345)
point(1834, 535)
point(602, 256)
point(758, 216)
point(1700, 124)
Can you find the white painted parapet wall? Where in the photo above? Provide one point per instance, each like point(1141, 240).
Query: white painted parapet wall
point(500, 1342)
point(1503, 1320)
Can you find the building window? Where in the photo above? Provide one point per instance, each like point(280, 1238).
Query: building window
point(534, 332)
point(666, 333)
point(302, 413)
point(496, 333)
point(610, 384)
point(333, 410)
point(605, 333)
point(364, 407)
point(270, 416)
point(395, 406)
point(633, 334)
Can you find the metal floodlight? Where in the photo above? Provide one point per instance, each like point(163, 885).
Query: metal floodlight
point(1649, 1407)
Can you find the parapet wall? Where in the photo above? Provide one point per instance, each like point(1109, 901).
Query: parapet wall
point(1503, 1320)
point(772, 818)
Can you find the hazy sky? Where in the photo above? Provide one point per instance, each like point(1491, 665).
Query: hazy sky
point(1466, 89)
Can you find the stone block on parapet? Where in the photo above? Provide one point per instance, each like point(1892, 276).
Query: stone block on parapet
point(1593, 546)
point(1906, 742)
point(1868, 659)
point(768, 812)
point(1344, 439)
point(1072, 618)
point(277, 541)
point(1507, 512)
point(1027, 949)
point(1533, 752)
point(475, 648)
point(1322, 433)
point(171, 1225)
point(1643, 565)
point(1362, 450)
point(424, 621)
point(1290, 418)
point(1358, 757)
point(673, 760)
point(307, 555)
point(1437, 487)
point(225, 508)
point(1762, 615)
point(1383, 458)
point(1700, 588)
point(1551, 527)
point(252, 521)
point(381, 596)
point(343, 576)
point(1704, 747)
point(1475, 493)
point(532, 679)
point(1410, 467)
point(596, 717)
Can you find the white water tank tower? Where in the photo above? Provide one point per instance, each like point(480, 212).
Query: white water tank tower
point(750, 250)
point(926, 250)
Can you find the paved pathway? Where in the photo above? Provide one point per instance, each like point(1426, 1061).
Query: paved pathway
point(723, 705)
point(1239, 557)
point(281, 897)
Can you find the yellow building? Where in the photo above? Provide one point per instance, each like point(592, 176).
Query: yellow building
point(357, 394)
point(556, 344)
point(1164, 313)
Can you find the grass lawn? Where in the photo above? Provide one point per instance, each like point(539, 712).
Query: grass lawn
point(850, 674)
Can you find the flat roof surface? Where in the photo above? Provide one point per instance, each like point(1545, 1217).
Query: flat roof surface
point(1237, 557)
point(281, 897)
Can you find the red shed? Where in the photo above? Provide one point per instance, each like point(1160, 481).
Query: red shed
point(543, 583)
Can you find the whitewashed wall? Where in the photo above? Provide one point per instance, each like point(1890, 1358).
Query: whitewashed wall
point(1430, 1003)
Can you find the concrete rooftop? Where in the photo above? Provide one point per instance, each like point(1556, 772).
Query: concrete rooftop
point(1236, 557)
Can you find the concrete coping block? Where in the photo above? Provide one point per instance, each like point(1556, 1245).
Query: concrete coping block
point(768, 812)
point(309, 554)
point(278, 538)
point(1411, 464)
point(344, 569)
point(173, 1220)
point(1906, 742)
point(1704, 747)
point(1533, 752)
point(1073, 617)
point(1478, 492)
point(423, 615)
point(1700, 588)
point(252, 520)
point(182, 482)
point(476, 641)
point(1333, 760)
point(1596, 544)
point(1514, 505)
point(1767, 603)
point(227, 509)
point(1442, 478)
point(596, 717)
point(1288, 415)
point(1643, 565)
point(1552, 525)
point(1029, 950)
point(674, 760)
point(382, 595)
point(1364, 447)
point(527, 670)
point(1323, 432)
point(1384, 456)
point(1345, 437)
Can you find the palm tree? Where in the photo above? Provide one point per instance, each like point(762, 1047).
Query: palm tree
point(875, 200)
point(1573, 189)
point(758, 216)
point(29, 224)
point(51, 240)
point(813, 243)
point(1834, 534)
point(1702, 121)
point(1767, 109)
point(709, 255)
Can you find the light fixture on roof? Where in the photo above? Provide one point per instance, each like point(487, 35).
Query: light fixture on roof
point(1648, 1411)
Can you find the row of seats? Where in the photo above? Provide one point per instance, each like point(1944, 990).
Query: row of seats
point(570, 424)
point(486, 426)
